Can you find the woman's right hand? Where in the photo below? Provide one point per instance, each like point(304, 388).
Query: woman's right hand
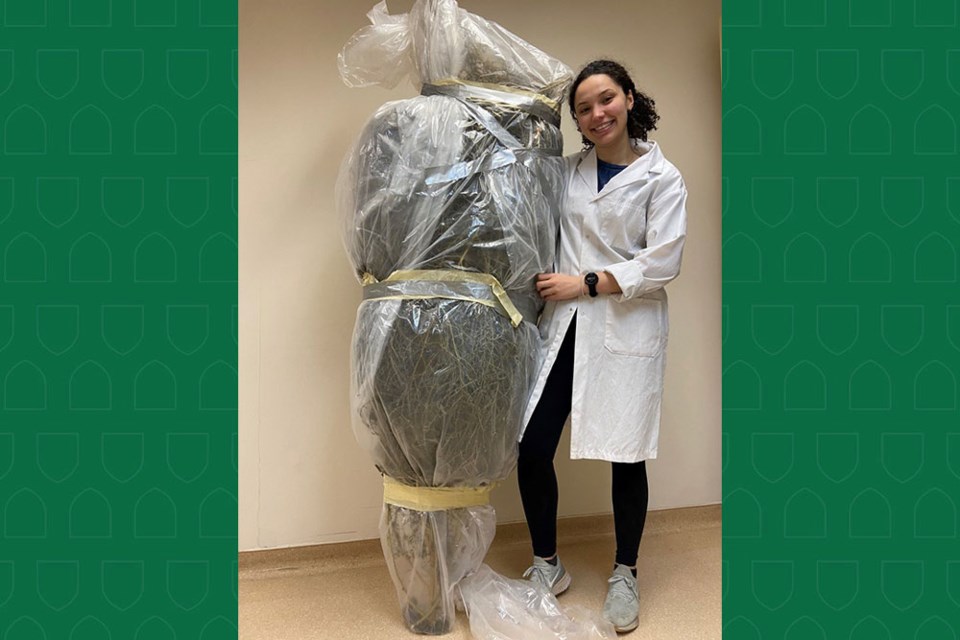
point(559, 286)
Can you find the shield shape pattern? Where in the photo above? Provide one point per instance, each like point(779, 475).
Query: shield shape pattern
point(188, 455)
point(772, 455)
point(58, 582)
point(58, 455)
point(902, 327)
point(58, 327)
point(188, 582)
point(772, 327)
point(772, 582)
point(6, 325)
point(901, 582)
point(838, 199)
point(6, 197)
point(58, 199)
point(121, 199)
point(188, 327)
point(902, 199)
point(772, 199)
point(838, 455)
point(121, 71)
point(838, 71)
point(188, 71)
point(58, 71)
point(122, 582)
point(6, 70)
point(901, 71)
point(838, 582)
point(121, 455)
point(188, 199)
point(953, 69)
point(901, 455)
point(7, 580)
point(121, 327)
point(772, 71)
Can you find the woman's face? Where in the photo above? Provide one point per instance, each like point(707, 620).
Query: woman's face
point(601, 109)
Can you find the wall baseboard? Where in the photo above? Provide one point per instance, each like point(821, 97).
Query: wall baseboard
point(323, 558)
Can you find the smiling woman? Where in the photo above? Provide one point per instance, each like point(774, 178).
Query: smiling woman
point(609, 109)
point(601, 111)
point(606, 371)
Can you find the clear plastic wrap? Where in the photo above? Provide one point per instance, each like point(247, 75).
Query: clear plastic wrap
point(505, 609)
point(437, 41)
point(450, 201)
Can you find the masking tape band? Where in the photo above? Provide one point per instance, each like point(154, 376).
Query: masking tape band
point(451, 275)
point(434, 498)
point(532, 102)
point(531, 95)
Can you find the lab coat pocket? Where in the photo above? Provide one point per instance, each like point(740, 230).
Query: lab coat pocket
point(635, 327)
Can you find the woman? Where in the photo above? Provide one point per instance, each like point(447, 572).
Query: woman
point(622, 231)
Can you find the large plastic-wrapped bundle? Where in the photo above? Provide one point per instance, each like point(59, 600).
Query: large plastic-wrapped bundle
point(450, 200)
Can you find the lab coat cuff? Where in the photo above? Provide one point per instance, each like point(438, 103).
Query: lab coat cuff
point(629, 277)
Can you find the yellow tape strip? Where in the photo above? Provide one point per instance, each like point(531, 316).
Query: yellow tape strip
point(539, 97)
point(415, 296)
point(452, 275)
point(434, 498)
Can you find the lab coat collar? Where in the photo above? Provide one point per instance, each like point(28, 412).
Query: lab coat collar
point(650, 162)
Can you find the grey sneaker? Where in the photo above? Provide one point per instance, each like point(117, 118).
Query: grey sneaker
point(554, 578)
point(622, 606)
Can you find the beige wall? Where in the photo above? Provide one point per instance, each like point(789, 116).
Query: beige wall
point(303, 478)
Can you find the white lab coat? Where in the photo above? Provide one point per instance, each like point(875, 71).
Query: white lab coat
point(635, 230)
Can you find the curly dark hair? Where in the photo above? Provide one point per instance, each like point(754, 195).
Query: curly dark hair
point(641, 119)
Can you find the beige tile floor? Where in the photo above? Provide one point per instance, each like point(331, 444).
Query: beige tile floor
point(344, 592)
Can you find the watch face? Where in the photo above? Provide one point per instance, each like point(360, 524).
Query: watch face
point(592, 278)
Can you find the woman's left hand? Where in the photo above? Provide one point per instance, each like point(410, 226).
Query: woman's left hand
point(559, 286)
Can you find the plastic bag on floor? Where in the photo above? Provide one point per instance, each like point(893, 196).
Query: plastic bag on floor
point(504, 609)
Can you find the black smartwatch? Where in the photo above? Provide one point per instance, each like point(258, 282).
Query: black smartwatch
point(591, 280)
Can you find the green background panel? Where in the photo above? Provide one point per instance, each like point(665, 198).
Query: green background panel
point(841, 325)
point(118, 344)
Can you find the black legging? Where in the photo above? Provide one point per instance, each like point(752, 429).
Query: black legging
point(538, 480)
